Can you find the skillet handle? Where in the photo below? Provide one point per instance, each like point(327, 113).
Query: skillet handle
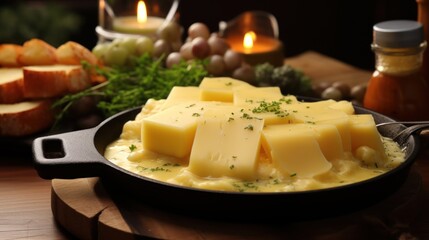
point(67, 156)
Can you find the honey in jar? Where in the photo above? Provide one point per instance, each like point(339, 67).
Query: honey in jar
point(397, 87)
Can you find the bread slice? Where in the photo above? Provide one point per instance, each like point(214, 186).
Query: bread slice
point(9, 55)
point(11, 85)
point(37, 52)
point(54, 80)
point(25, 118)
point(72, 53)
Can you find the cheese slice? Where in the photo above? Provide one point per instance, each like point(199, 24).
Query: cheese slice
point(267, 103)
point(220, 88)
point(246, 96)
point(227, 143)
point(311, 106)
point(295, 151)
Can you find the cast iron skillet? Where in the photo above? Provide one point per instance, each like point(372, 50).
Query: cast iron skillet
point(80, 154)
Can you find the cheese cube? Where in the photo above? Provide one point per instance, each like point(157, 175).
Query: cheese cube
point(364, 133)
point(220, 88)
point(296, 153)
point(180, 94)
point(330, 141)
point(327, 136)
point(344, 106)
point(227, 143)
point(171, 132)
point(340, 119)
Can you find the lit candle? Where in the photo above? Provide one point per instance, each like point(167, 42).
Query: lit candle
point(101, 6)
point(140, 24)
point(257, 49)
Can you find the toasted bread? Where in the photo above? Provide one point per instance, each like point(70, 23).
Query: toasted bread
point(54, 80)
point(9, 55)
point(72, 53)
point(25, 118)
point(37, 52)
point(11, 85)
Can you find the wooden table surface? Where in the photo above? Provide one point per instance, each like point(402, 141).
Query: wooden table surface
point(25, 207)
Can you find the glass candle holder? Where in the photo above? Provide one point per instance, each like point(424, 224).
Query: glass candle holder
point(133, 18)
point(254, 34)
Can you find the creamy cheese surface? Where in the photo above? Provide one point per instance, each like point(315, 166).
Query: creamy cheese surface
point(249, 139)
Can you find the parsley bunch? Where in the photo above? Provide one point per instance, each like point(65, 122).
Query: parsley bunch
point(132, 86)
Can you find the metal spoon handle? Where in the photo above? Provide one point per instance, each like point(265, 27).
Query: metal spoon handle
point(406, 123)
point(406, 133)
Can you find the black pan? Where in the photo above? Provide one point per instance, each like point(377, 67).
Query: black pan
point(80, 154)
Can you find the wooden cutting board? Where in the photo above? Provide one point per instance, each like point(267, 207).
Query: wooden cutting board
point(85, 209)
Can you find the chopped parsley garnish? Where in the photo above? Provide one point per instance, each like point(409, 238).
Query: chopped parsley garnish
point(196, 115)
point(160, 169)
point(249, 127)
point(286, 100)
point(171, 165)
point(132, 147)
point(246, 116)
point(271, 107)
point(245, 186)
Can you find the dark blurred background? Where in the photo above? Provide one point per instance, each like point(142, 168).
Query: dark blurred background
point(337, 28)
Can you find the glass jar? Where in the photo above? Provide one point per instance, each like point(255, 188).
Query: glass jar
point(397, 87)
point(423, 18)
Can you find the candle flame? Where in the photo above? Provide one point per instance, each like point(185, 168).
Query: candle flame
point(249, 39)
point(141, 12)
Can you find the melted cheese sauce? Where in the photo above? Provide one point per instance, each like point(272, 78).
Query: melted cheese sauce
point(126, 152)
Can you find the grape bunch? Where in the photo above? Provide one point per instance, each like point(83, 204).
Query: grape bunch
point(221, 59)
point(120, 51)
point(200, 43)
point(340, 91)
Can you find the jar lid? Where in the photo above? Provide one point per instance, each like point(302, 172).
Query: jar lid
point(398, 34)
